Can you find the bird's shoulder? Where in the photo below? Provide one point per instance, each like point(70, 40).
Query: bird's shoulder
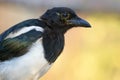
point(26, 23)
point(15, 41)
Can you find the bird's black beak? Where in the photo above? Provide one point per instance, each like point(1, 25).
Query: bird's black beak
point(79, 22)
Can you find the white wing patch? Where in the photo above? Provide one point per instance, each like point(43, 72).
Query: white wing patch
point(24, 30)
point(30, 66)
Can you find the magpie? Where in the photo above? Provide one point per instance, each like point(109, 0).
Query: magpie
point(28, 49)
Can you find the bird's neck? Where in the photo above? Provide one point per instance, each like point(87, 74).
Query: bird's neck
point(53, 42)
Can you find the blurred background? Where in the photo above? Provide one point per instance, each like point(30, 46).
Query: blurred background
point(89, 54)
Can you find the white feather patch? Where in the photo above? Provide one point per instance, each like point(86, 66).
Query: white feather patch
point(24, 30)
point(30, 66)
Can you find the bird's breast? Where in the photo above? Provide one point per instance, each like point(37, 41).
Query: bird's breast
point(53, 45)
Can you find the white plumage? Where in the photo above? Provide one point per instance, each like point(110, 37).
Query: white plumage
point(29, 66)
point(24, 30)
point(28, 49)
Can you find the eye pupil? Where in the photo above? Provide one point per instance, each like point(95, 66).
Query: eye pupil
point(65, 15)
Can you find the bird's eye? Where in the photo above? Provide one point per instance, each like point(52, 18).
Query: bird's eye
point(66, 15)
point(63, 15)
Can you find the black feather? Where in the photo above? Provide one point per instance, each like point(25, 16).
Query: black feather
point(15, 47)
point(55, 23)
point(53, 43)
point(27, 23)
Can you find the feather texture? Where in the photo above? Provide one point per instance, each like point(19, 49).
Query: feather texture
point(30, 66)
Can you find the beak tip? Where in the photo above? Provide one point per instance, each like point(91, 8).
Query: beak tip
point(88, 25)
point(85, 23)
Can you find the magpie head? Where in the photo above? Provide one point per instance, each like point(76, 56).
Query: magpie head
point(63, 18)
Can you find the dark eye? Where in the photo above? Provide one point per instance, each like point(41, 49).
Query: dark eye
point(65, 15)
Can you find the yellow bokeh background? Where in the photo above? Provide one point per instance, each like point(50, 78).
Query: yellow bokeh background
point(89, 53)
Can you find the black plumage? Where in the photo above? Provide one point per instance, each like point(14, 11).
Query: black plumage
point(20, 39)
point(55, 25)
point(18, 46)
